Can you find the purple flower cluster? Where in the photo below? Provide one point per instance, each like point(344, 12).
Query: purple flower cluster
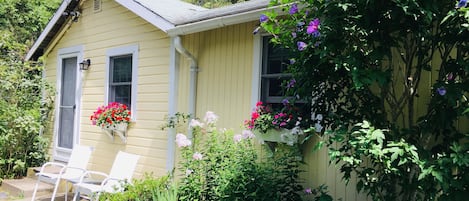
point(263, 18)
point(461, 4)
point(312, 29)
point(293, 9)
point(301, 45)
point(441, 90)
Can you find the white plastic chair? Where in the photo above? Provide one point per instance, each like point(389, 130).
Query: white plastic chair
point(69, 172)
point(122, 171)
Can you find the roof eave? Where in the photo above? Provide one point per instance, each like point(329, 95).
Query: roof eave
point(147, 15)
point(218, 22)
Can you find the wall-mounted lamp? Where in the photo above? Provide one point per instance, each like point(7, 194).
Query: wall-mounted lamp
point(85, 64)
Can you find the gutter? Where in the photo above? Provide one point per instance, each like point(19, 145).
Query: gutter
point(221, 21)
point(214, 23)
point(176, 47)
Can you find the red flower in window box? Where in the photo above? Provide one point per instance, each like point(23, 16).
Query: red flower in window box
point(107, 116)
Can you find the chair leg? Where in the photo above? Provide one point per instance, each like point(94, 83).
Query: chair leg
point(66, 191)
point(76, 196)
point(55, 189)
point(35, 188)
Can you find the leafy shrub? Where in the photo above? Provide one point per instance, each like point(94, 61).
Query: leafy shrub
point(148, 188)
point(24, 113)
point(401, 66)
point(220, 165)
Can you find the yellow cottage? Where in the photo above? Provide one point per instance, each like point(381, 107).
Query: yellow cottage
point(159, 57)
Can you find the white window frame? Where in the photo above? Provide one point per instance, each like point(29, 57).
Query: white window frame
point(119, 51)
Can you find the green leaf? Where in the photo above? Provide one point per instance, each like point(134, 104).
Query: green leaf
point(438, 176)
point(378, 135)
point(318, 146)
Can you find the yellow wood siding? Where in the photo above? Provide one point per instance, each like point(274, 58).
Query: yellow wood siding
point(225, 73)
point(98, 32)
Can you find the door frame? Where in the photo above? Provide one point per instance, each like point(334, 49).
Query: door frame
point(59, 153)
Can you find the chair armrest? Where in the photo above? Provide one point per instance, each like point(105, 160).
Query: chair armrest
point(51, 164)
point(89, 173)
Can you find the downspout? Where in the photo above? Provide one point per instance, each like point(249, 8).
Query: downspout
point(176, 45)
point(193, 79)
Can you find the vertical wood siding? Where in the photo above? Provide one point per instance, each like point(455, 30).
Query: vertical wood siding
point(98, 32)
point(225, 73)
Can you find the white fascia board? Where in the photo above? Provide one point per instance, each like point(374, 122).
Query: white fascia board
point(146, 14)
point(46, 30)
point(221, 21)
point(215, 23)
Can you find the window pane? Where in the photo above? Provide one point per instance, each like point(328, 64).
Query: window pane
point(121, 79)
point(275, 63)
point(122, 69)
point(122, 94)
point(275, 88)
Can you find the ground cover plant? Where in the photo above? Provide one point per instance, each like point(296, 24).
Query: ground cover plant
point(389, 80)
point(147, 188)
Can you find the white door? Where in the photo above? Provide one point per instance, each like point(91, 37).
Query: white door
point(68, 104)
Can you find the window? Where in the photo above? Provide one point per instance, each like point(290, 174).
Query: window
point(120, 82)
point(122, 76)
point(275, 61)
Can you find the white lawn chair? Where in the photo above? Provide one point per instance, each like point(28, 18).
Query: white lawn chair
point(122, 170)
point(69, 172)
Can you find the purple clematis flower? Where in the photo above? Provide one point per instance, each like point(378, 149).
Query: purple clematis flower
point(462, 3)
point(301, 45)
point(291, 83)
point(441, 90)
point(292, 61)
point(285, 102)
point(263, 18)
point(293, 9)
point(450, 76)
point(313, 26)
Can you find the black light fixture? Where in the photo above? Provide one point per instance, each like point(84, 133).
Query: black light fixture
point(85, 64)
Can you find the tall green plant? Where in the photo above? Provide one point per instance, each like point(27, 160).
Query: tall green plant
point(374, 60)
point(220, 165)
point(24, 101)
point(24, 114)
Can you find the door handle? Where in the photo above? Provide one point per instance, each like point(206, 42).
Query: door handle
point(68, 106)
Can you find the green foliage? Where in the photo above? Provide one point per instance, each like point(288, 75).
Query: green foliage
point(25, 19)
point(223, 166)
point(24, 102)
point(24, 112)
point(371, 60)
point(148, 188)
